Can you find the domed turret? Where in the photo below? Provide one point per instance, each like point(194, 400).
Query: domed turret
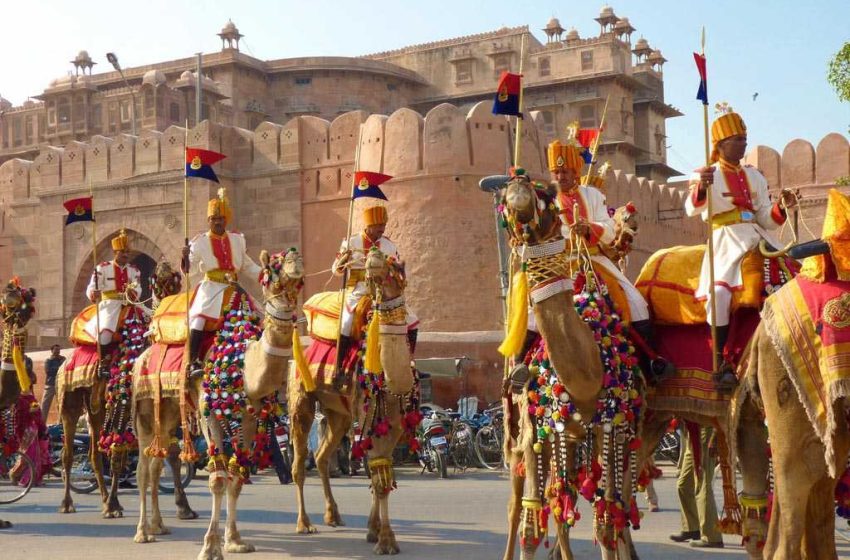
point(154, 78)
point(553, 30)
point(642, 50)
point(230, 35)
point(84, 61)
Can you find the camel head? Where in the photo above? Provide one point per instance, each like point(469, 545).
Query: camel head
point(165, 281)
point(385, 274)
point(282, 278)
point(17, 304)
point(529, 210)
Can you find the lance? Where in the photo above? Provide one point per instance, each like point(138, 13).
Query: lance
point(96, 275)
point(595, 147)
point(519, 118)
point(712, 303)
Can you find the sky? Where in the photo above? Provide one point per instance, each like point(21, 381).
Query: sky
point(778, 49)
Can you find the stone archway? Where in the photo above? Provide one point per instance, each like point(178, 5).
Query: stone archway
point(144, 254)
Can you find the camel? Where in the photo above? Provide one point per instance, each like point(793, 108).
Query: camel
point(388, 384)
point(105, 402)
point(17, 308)
point(573, 358)
point(796, 377)
point(266, 365)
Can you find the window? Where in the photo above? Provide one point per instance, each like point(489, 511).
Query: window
point(587, 116)
point(174, 112)
point(548, 122)
point(463, 72)
point(587, 60)
point(150, 108)
point(501, 63)
point(63, 111)
point(113, 116)
point(80, 110)
point(96, 116)
point(543, 66)
point(42, 127)
point(659, 140)
point(17, 132)
point(303, 81)
point(28, 130)
point(51, 113)
point(205, 111)
point(125, 110)
point(625, 115)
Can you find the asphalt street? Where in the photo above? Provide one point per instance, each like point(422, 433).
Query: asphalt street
point(462, 517)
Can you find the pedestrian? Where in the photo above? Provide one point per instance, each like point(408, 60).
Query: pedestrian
point(696, 497)
point(51, 369)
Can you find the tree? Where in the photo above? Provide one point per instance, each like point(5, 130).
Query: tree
point(838, 74)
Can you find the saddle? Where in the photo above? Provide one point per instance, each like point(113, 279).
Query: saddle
point(80, 337)
point(322, 311)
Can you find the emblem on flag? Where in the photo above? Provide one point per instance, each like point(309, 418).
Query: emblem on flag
point(79, 210)
point(367, 183)
point(199, 163)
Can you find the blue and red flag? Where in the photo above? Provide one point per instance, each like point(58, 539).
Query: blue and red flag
point(366, 185)
point(506, 101)
point(79, 210)
point(199, 163)
point(702, 93)
point(586, 137)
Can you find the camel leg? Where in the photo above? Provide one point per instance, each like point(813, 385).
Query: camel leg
point(95, 422)
point(212, 549)
point(302, 420)
point(170, 418)
point(514, 505)
point(144, 432)
point(117, 464)
point(157, 526)
point(71, 411)
point(232, 539)
point(337, 427)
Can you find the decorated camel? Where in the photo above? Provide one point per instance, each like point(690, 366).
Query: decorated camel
point(101, 388)
point(380, 383)
point(797, 378)
point(17, 307)
point(571, 398)
point(245, 368)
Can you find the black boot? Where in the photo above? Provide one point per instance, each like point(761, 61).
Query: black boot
point(519, 374)
point(104, 368)
point(196, 364)
point(725, 380)
point(339, 374)
point(411, 340)
point(658, 367)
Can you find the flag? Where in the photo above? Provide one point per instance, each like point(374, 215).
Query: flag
point(586, 137)
point(506, 101)
point(702, 93)
point(79, 210)
point(366, 185)
point(199, 163)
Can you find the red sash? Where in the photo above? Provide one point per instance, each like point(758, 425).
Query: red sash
point(120, 277)
point(567, 202)
point(222, 251)
point(739, 187)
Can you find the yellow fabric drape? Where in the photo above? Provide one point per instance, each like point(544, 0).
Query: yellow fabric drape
point(372, 360)
point(301, 363)
point(517, 315)
point(21, 369)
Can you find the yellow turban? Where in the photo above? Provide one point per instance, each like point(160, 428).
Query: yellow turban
point(375, 215)
point(565, 155)
point(121, 242)
point(836, 232)
point(723, 127)
point(219, 206)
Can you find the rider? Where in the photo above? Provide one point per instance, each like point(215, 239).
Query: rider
point(112, 286)
point(742, 211)
point(352, 255)
point(584, 213)
point(222, 256)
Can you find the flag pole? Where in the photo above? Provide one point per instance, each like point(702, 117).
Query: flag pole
point(712, 303)
point(186, 352)
point(519, 118)
point(596, 140)
point(347, 238)
point(96, 282)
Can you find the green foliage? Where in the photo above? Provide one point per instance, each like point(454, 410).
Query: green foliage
point(838, 74)
point(843, 181)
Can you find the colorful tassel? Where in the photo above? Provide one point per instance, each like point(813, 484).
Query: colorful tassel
point(372, 360)
point(517, 315)
point(21, 368)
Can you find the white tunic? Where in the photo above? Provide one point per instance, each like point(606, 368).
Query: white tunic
point(732, 242)
point(361, 289)
point(209, 293)
point(594, 209)
point(109, 310)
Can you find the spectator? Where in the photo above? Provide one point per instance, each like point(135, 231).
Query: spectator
point(51, 369)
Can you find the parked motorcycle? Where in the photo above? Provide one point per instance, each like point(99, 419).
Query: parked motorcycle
point(433, 445)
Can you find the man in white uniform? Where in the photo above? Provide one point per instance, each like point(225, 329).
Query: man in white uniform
point(352, 255)
point(112, 284)
point(741, 213)
point(222, 257)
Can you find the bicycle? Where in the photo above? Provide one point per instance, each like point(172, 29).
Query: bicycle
point(460, 443)
point(489, 439)
point(14, 466)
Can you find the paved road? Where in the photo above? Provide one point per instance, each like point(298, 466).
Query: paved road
point(461, 517)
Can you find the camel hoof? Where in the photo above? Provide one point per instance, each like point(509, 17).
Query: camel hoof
point(371, 537)
point(386, 548)
point(213, 554)
point(5, 524)
point(113, 514)
point(142, 538)
point(187, 513)
point(160, 529)
point(67, 507)
point(334, 520)
point(305, 529)
point(239, 547)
